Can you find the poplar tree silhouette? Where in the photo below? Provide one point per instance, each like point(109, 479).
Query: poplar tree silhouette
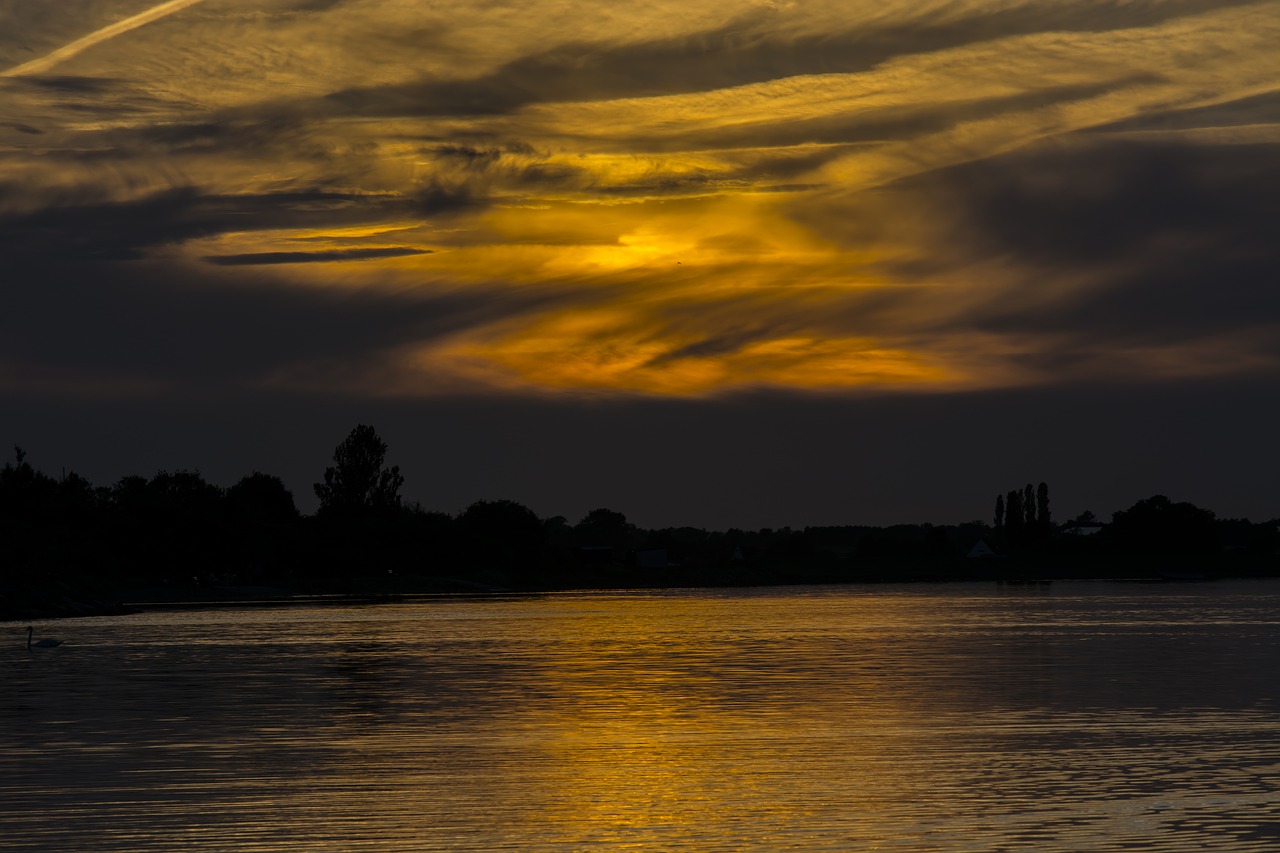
point(1025, 515)
point(1013, 514)
point(1043, 519)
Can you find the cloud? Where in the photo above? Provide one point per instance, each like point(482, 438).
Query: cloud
point(754, 47)
point(67, 84)
point(1082, 203)
point(1257, 109)
point(71, 225)
point(158, 325)
point(817, 196)
point(1095, 258)
point(329, 256)
point(42, 64)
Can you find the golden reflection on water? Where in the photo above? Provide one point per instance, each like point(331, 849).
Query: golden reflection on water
point(931, 718)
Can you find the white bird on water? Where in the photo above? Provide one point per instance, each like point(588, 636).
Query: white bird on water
point(46, 643)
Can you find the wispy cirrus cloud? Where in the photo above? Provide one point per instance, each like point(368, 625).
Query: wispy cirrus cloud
point(43, 64)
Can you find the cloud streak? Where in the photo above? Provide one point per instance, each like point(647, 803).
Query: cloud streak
point(326, 256)
point(51, 60)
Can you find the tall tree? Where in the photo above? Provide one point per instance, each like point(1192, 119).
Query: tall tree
point(357, 483)
point(1043, 518)
point(1013, 513)
point(999, 511)
point(1029, 506)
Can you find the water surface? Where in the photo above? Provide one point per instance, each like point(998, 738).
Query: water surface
point(921, 718)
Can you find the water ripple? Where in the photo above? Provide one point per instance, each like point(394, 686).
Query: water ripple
point(949, 718)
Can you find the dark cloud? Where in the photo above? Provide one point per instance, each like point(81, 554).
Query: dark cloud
point(66, 84)
point(69, 225)
point(305, 6)
point(743, 51)
point(1099, 201)
point(437, 196)
point(257, 129)
point(59, 100)
point(276, 128)
point(85, 297)
point(1184, 236)
point(792, 164)
point(1092, 256)
point(168, 323)
point(105, 230)
point(729, 341)
point(469, 154)
point(327, 256)
point(1264, 108)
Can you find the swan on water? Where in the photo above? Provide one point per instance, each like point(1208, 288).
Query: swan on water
point(46, 643)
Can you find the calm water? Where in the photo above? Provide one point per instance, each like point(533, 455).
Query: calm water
point(939, 718)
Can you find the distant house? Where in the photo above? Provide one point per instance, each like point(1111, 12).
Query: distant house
point(981, 549)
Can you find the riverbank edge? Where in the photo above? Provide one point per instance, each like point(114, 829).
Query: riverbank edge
point(33, 599)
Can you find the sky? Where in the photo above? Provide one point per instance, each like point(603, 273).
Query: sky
point(736, 263)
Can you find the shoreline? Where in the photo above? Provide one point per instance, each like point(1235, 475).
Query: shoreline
point(61, 603)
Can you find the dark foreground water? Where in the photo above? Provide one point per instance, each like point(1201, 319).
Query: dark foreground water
point(957, 718)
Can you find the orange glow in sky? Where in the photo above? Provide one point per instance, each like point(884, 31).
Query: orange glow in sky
point(638, 198)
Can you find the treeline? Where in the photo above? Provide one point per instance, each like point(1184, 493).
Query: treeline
point(1023, 516)
point(1154, 527)
point(65, 539)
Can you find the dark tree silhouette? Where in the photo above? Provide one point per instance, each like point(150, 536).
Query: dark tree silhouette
point(167, 528)
point(1013, 516)
point(1159, 526)
point(557, 532)
point(23, 490)
point(502, 535)
point(604, 527)
point(1043, 518)
point(185, 493)
point(261, 499)
point(503, 522)
point(264, 528)
point(999, 511)
point(29, 507)
point(1029, 507)
point(357, 484)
